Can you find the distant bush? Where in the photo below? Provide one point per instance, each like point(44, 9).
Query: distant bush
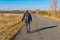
point(55, 15)
point(49, 14)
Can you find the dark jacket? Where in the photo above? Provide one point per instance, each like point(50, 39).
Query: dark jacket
point(27, 17)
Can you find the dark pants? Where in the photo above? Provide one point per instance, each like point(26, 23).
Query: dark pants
point(28, 27)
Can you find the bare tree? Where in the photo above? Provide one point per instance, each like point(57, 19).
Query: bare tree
point(55, 7)
point(37, 11)
point(30, 11)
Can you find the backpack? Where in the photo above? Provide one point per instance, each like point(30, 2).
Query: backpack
point(26, 17)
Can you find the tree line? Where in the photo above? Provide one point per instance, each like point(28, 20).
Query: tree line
point(13, 11)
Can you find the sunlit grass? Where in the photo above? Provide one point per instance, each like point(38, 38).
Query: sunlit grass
point(10, 24)
point(50, 17)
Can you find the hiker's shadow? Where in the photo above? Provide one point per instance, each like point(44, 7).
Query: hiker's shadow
point(33, 31)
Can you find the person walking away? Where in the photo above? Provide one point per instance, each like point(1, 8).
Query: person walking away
point(28, 18)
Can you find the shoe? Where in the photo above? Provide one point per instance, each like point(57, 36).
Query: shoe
point(28, 31)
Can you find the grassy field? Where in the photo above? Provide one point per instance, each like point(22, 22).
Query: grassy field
point(50, 17)
point(10, 24)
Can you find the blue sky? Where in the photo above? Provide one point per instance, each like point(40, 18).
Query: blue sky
point(25, 4)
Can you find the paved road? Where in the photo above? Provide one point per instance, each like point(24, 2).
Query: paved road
point(41, 29)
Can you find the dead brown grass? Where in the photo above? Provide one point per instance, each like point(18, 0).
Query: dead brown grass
point(50, 17)
point(10, 24)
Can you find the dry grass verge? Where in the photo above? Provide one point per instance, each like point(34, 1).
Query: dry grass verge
point(10, 24)
point(50, 17)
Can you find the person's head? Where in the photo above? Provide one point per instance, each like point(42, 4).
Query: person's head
point(27, 11)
